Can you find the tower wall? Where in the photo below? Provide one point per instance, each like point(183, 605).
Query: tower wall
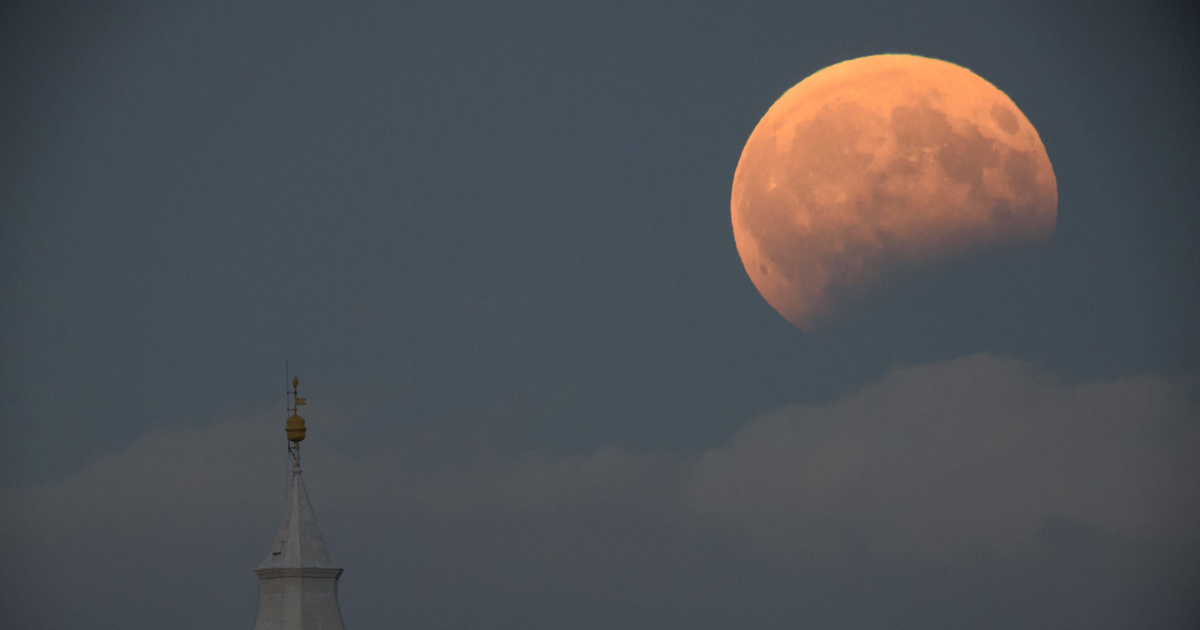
point(298, 599)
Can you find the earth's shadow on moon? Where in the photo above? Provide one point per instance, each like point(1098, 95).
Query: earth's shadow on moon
point(919, 313)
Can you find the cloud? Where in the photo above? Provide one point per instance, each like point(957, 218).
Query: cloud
point(976, 452)
point(138, 527)
point(989, 470)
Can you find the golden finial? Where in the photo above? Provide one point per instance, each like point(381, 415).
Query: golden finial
point(295, 424)
point(295, 428)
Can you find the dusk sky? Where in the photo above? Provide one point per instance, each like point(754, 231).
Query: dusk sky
point(494, 243)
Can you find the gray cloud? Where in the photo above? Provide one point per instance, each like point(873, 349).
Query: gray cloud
point(979, 451)
point(944, 485)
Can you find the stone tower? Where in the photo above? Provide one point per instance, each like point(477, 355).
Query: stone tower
point(297, 583)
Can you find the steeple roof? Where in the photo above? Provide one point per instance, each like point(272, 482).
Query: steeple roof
point(298, 543)
point(297, 583)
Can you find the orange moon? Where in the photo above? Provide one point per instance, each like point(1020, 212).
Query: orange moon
point(881, 164)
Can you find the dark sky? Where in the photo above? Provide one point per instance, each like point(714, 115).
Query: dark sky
point(494, 242)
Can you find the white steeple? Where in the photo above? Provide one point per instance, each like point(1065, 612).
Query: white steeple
point(297, 583)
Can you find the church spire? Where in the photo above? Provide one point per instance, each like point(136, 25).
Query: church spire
point(298, 580)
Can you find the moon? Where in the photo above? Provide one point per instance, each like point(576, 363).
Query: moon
point(881, 164)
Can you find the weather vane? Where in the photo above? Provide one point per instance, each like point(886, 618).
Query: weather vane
point(295, 424)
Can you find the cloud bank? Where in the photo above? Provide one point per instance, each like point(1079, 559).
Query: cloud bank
point(977, 452)
point(981, 492)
